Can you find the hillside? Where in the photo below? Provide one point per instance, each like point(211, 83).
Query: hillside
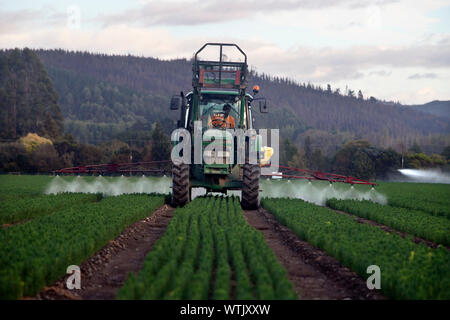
point(100, 95)
point(28, 101)
point(95, 111)
point(436, 107)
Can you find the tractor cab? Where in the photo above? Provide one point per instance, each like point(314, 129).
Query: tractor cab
point(218, 110)
point(216, 84)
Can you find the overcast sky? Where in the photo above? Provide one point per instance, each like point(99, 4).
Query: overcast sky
point(391, 49)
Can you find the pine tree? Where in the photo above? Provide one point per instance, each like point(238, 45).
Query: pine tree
point(360, 95)
point(160, 144)
point(308, 151)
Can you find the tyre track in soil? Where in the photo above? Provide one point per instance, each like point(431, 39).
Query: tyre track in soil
point(386, 228)
point(314, 274)
point(106, 271)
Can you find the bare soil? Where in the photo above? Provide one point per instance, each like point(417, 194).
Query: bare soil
point(314, 274)
point(106, 271)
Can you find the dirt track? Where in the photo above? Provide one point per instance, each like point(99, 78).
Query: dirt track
point(314, 274)
point(105, 272)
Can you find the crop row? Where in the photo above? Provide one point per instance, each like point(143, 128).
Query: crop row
point(426, 197)
point(430, 207)
point(209, 251)
point(15, 210)
point(418, 223)
point(408, 270)
point(37, 253)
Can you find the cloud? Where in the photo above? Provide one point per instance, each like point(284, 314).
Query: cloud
point(216, 11)
point(380, 73)
point(365, 4)
point(331, 64)
point(427, 75)
point(12, 20)
point(119, 39)
point(338, 42)
point(30, 19)
point(424, 94)
point(305, 63)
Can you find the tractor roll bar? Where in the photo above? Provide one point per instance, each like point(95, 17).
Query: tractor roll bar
point(199, 68)
point(221, 45)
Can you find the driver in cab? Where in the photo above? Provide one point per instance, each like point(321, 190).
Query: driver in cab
point(223, 120)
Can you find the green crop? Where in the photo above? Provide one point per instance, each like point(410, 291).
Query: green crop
point(408, 270)
point(37, 253)
point(16, 210)
point(426, 197)
point(210, 252)
point(418, 223)
point(12, 186)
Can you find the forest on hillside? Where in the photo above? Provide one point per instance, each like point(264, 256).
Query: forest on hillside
point(27, 97)
point(329, 116)
point(79, 108)
point(97, 111)
point(32, 135)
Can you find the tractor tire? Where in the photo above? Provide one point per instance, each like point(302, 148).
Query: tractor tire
point(250, 186)
point(180, 185)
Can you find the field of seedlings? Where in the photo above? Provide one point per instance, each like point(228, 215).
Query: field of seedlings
point(410, 271)
point(37, 253)
point(426, 197)
point(418, 223)
point(130, 244)
point(210, 237)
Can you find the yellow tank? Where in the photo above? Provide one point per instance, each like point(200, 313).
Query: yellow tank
point(268, 153)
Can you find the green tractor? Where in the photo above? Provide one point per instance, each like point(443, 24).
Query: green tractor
point(219, 102)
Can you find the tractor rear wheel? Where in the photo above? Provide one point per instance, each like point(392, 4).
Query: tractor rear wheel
point(250, 186)
point(180, 185)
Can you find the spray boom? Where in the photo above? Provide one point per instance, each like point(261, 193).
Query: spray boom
point(296, 173)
